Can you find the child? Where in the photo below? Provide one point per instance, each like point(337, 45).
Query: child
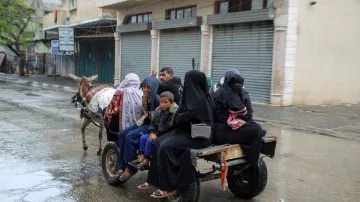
point(159, 125)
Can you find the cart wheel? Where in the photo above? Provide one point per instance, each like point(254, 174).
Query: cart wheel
point(109, 163)
point(241, 185)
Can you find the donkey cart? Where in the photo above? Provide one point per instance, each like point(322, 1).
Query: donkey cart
point(226, 159)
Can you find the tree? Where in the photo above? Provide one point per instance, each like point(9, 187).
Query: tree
point(15, 17)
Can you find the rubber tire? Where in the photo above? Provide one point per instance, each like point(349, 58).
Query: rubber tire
point(243, 190)
point(190, 194)
point(111, 146)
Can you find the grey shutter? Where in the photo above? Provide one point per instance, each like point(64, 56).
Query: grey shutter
point(249, 48)
point(136, 54)
point(177, 48)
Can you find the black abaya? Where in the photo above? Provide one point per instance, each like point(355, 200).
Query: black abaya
point(175, 170)
point(153, 173)
point(249, 135)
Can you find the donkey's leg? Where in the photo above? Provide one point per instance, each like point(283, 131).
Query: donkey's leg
point(101, 128)
point(85, 123)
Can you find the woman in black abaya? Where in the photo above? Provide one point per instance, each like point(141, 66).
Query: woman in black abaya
point(229, 97)
point(174, 159)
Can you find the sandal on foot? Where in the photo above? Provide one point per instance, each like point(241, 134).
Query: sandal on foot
point(119, 173)
point(162, 194)
point(142, 167)
point(134, 163)
point(124, 178)
point(145, 186)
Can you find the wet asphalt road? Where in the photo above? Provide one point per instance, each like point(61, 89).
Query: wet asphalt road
point(41, 159)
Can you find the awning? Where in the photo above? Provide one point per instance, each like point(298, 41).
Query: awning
point(84, 23)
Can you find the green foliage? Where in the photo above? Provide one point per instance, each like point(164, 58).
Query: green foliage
point(15, 17)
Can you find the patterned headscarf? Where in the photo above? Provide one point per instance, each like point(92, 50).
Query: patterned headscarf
point(132, 100)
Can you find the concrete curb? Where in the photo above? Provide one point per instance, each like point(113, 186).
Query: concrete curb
point(37, 84)
point(306, 128)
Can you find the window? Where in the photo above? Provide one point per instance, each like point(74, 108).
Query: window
point(180, 13)
point(139, 18)
point(73, 4)
point(224, 7)
point(231, 6)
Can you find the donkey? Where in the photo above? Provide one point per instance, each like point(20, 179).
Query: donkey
point(92, 101)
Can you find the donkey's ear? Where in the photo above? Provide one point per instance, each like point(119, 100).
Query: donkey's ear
point(92, 78)
point(77, 79)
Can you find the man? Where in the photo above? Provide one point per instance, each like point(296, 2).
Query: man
point(169, 83)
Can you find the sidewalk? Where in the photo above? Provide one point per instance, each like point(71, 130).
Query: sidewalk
point(333, 120)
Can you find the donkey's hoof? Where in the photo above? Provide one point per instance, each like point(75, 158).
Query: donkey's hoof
point(85, 148)
point(99, 152)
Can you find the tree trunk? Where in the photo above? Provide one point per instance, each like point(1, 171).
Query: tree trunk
point(22, 65)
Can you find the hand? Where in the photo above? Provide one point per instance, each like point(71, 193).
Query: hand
point(153, 137)
point(153, 73)
point(139, 123)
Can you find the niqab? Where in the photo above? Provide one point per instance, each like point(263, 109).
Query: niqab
point(195, 97)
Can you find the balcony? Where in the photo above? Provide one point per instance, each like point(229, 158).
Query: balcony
point(118, 4)
point(54, 20)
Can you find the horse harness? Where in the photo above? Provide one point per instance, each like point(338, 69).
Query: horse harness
point(85, 113)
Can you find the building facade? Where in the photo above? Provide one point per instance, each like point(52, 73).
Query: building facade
point(288, 51)
point(94, 38)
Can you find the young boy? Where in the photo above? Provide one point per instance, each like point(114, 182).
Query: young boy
point(159, 125)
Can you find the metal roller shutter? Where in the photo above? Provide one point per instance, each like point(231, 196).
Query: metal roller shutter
point(136, 54)
point(249, 48)
point(177, 48)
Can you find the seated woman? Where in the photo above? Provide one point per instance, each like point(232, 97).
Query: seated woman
point(232, 125)
point(127, 99)
point(245, 95)
point(129, 138)
point(175, 169)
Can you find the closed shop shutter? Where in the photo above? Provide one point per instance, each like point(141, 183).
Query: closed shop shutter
point(249, 48)
point(136, 54)
point(106, 60)
point(177, 48)
point(86, 58)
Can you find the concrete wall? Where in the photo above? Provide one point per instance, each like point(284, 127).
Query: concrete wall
point(328, 45)
point(48, 19)
point(85, 9)
point(204, 7)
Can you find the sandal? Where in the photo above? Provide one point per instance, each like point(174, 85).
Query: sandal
point(134, 163)
point(161, 194)
point(142, 167)
point(119, 173)
point(145, 186)
point(124, 178)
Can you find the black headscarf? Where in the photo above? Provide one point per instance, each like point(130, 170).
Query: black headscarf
point(195, 97)
point(233, 93)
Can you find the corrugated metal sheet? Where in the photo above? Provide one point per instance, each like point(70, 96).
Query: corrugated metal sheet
point(86, 58)
point(249, 48)
point(178, 23)
point(136, 54)
point(134, 27)
point(241, 17)
point(106, 59)
point(177, 48)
